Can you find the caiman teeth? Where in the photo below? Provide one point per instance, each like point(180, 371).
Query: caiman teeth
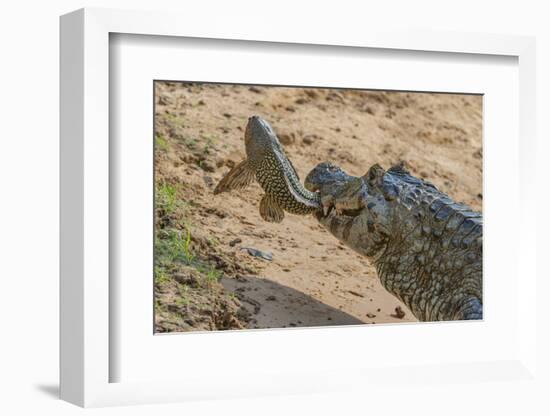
point(327, 209)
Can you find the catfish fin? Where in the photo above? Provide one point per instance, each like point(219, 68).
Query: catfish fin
point(237, 178)
point(270, 209)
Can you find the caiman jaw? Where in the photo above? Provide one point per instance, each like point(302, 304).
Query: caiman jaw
point(325, 174)
point(324, 179)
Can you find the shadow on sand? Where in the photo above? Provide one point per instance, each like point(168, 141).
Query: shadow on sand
point(274, 305)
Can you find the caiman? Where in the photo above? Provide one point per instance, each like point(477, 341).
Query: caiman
point(427, 248)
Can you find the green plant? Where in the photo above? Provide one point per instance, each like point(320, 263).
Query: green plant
point(209, 139)
point(213, 275)
point(161, 277)
point(213, 241)
point(167, 198)
point(183, 300)
point(161, 142)
point(189, 257)
point(191, 143)
point(171, 246)
point(174, 120)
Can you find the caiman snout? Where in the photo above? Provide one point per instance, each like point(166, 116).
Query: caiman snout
point(325, 173)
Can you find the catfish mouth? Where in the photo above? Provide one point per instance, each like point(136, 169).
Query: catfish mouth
point(257, 124)
point(254, 124)
point(258, 132)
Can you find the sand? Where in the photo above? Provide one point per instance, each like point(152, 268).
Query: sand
point(312, 279)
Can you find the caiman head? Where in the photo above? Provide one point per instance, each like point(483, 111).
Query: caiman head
point(326, 177)
point(356, 210)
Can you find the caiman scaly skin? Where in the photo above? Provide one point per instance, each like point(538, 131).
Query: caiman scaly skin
point(427, 249)
point(267, 162)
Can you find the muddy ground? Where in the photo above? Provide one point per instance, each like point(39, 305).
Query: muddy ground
point(205, 279)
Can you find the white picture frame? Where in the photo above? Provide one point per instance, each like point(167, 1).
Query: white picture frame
point(86, 356)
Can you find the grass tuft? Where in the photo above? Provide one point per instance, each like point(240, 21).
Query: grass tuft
point(166, 198)
point(161, 142)
point(213, 275)
point(171, 247)
point(161, 277)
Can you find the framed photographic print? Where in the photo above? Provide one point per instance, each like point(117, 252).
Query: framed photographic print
point(266, 214)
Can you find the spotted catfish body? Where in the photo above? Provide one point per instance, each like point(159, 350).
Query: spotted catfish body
point(427, 248)
point(268, 164)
